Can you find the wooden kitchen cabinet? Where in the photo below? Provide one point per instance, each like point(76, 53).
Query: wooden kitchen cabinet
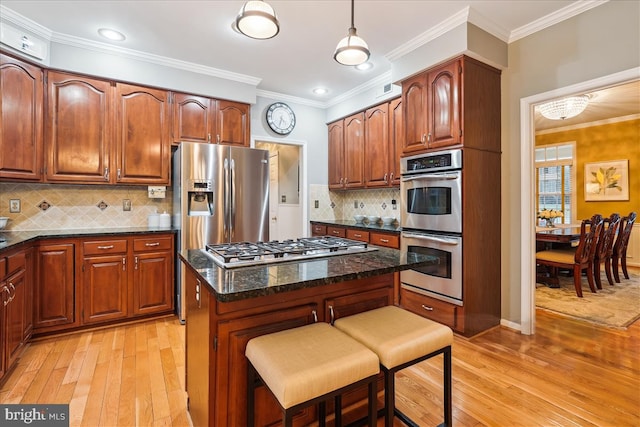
point(383, 135)
point(453, 104)
point(78, 132)
point(356, 234)
point(396, 136)
point(55, 292)
point(431, 308)
point(346, 153)
point(206, 120)
point(388, 240)
point(143, 135)
point(152, 280)
point(21, 112)
point(104, 280)
point(336, 231)
point(336, 155)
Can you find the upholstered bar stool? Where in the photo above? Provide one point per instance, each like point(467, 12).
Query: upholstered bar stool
point(401, 339)
point(309, 365)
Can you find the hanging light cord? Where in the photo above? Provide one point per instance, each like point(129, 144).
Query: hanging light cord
point(352, 9)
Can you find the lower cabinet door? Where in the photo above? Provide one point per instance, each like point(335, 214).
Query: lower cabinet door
point(152, 282)
point(104, 291)
point(15, 310)
point(54, 287)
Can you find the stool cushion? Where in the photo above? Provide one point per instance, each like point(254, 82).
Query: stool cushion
point(396, 335)
point(303, 363)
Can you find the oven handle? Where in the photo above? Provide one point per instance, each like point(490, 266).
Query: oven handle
point(432, 177)
point(452, 242)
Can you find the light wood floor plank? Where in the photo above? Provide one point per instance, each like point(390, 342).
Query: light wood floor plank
point(570, 373)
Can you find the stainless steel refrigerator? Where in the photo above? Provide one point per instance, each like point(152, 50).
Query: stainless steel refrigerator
point(220, 194)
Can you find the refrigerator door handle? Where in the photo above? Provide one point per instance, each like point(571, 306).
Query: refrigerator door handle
point(233, 198)
point(226, 199)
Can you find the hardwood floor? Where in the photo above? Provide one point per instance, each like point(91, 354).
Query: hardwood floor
point(569, 373)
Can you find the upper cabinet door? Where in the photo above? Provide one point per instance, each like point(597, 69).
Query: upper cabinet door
point(232, 123)
point(376, 150)
point(415, 101)
point(354, 151)
point(143, 135)
point(396, 135)
point(21, 105)
point(336, 155)
point(444, 127)
point(78, 129)
point(193, 118)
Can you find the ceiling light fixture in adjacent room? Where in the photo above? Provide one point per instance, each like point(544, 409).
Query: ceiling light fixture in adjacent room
point(364, 66)
point(257, 20)
point(565, 108)
point(320, 91)
point(352, 50)
point(110, 34)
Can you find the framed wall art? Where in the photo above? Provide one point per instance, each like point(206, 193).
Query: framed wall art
point(605, 181)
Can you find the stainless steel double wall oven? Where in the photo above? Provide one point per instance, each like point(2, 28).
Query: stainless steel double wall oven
point(431, 202)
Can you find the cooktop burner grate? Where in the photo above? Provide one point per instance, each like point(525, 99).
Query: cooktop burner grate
point(240, 254)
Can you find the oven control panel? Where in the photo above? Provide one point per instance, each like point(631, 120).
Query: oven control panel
point(432, 162)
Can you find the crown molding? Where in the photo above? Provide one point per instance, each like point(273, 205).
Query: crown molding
point(24, 23)
point(589, 124)
point(289, 98)
point(382, 79)
point(563, 14)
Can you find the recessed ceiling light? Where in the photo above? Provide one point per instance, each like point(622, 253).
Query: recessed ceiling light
point(111, 34)
point(320, 91)
point(364, 66)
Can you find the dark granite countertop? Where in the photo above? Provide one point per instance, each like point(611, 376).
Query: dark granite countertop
point(9, 239)
point(393, 228)
point(251, 282)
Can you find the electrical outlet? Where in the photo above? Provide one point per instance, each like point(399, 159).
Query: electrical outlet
point(14, 205)
point(355, 204)
point(126, 204)
point(316, 204)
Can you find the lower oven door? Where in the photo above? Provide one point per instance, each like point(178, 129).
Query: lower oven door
point(441, 279)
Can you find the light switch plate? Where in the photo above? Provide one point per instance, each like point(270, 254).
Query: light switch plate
point(126, 205)
point(14, 205)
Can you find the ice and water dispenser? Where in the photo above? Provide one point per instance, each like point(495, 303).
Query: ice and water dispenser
point(200, 199)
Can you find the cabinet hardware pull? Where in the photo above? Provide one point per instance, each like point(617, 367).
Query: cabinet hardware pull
point(391, 176)
point(135, 259)
point(384, 240)
point(424, 138)
point(5, 302)
point(209, 137)
point(357, 235)
point(426, 307)
point(429, 137)
point(331, 314)
point(385, 178)
point(315, 316)
point(106, 247)
point(106, 174)
point(119, 175)
point(13, 288)
point(124, 263)
point(198, 283)
point(218, 138)
point(152, 244)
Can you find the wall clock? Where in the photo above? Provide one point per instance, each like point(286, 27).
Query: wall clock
point(280, 118)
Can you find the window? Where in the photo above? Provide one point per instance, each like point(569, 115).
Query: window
point(555, 178)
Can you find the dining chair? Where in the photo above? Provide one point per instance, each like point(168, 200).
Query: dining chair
point(619, 253)
point(579, 258)
point(605, 248)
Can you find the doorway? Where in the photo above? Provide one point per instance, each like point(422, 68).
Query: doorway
point(527, 185)
point(287, 193)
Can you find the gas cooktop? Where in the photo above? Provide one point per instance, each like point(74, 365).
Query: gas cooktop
point(242, 254)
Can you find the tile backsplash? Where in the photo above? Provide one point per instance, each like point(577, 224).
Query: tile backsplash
point(78, 206)
point(341, 205)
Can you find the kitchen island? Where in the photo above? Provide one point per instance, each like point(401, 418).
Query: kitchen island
point(227, 307)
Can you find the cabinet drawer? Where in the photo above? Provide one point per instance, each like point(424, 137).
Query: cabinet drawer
point(384, 239)
point(15, 263)
point(104, 247)
point(336, 231)
point(428, 307)
point(152, 243)
point(363, 236)
point(318, 230)
point(3, 267)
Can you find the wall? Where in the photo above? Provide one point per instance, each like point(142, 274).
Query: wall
point(340, 205)
point(288, 170)
point(596, 43)
point(76, 206)
point(614, 141)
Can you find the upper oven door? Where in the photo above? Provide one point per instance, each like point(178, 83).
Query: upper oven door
point(432, 201)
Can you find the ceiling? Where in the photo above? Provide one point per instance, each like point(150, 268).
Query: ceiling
point(300, 57)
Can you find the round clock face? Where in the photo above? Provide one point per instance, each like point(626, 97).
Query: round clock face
point(280, 118)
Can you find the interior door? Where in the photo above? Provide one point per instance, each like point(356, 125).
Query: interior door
point(274, 192)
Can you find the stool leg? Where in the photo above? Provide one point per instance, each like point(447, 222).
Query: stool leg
point(373, 407)
point(389, 396)
point(322, 414)
point(337, 414)
point(447, 387)
point(251, 381)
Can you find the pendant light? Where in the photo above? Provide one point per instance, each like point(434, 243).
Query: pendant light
point(257, 20)
point(352, 50)
point(564, 108)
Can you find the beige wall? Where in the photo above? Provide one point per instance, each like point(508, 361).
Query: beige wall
point(600, 42)
point(615, 141)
